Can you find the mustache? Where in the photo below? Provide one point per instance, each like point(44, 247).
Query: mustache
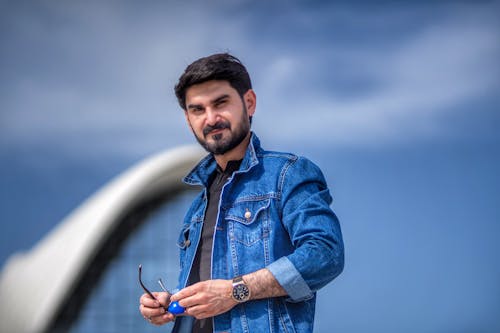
point(217, 126)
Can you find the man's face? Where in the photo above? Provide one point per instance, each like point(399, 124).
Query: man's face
point(218, 116)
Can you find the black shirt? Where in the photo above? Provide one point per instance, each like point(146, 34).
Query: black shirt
point(201, 269)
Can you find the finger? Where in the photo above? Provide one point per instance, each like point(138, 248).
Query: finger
point(193, 300)
point(199, 311)
point(162, 297)
point(151, 312)
point(147, 301)
point(161, 320)
point(168, 317)
point(193, 310)
point(186, 292)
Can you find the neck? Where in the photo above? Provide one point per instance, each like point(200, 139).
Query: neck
point(237, 153)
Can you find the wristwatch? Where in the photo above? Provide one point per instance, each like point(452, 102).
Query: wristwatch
point(241, 292)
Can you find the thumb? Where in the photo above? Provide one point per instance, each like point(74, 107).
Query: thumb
point(163, 298)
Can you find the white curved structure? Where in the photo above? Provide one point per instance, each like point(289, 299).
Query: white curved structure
point(35, 284)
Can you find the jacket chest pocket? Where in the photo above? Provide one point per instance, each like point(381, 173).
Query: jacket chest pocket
point(248, 221)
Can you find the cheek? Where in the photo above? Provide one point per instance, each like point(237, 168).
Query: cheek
point(194, 124)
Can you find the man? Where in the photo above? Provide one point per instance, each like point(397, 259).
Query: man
point(260, 239)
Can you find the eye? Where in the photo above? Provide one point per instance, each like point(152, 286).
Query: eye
point(220, 103)
point(196, 110)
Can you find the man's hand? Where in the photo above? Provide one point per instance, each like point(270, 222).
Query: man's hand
point(154, 311)
point(206, 299)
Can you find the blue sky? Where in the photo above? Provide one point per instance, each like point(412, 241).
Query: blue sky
point(397, 102)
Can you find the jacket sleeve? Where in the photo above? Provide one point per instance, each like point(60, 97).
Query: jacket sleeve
point(314, 231)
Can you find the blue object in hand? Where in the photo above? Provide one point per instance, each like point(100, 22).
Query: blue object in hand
point(175, 309)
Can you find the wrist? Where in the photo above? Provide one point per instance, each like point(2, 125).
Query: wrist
point(240, 291)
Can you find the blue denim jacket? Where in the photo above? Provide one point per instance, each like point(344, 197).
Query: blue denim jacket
point(290, 229)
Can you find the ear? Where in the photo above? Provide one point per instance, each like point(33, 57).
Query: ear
point(250, 100)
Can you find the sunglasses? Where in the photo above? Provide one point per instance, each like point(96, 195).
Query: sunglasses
point(160, 282)
point(173, 308)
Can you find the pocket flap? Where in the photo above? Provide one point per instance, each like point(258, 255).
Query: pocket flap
point(246, 212)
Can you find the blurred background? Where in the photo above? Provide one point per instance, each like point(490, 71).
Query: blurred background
point(397, 102)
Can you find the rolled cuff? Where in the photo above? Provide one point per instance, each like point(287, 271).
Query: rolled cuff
point(291, 280)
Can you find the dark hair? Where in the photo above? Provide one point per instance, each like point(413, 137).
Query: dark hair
point(220, 66)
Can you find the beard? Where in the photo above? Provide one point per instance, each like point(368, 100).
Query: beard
point(222, 144)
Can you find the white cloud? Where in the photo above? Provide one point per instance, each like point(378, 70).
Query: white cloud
point(112, 78)
point(110, 74)
point(418, 80)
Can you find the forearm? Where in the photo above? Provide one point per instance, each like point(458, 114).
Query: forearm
point(263, 284)
point(213, 297)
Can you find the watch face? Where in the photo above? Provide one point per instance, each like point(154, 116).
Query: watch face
point(240, 292)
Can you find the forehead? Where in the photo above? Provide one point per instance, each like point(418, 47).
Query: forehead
point(209, 90)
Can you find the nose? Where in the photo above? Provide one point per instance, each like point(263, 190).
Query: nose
point(212, 116)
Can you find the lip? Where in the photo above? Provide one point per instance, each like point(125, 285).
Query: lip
point(214, 132)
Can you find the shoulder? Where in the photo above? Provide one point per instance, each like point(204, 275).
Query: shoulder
point(287, 159)
point(290, 165)
point(277, 156)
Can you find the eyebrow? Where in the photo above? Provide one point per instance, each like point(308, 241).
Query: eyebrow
point(214, 101)
point(220, 99)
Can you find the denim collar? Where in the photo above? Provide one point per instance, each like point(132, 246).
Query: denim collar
point(200, 175)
